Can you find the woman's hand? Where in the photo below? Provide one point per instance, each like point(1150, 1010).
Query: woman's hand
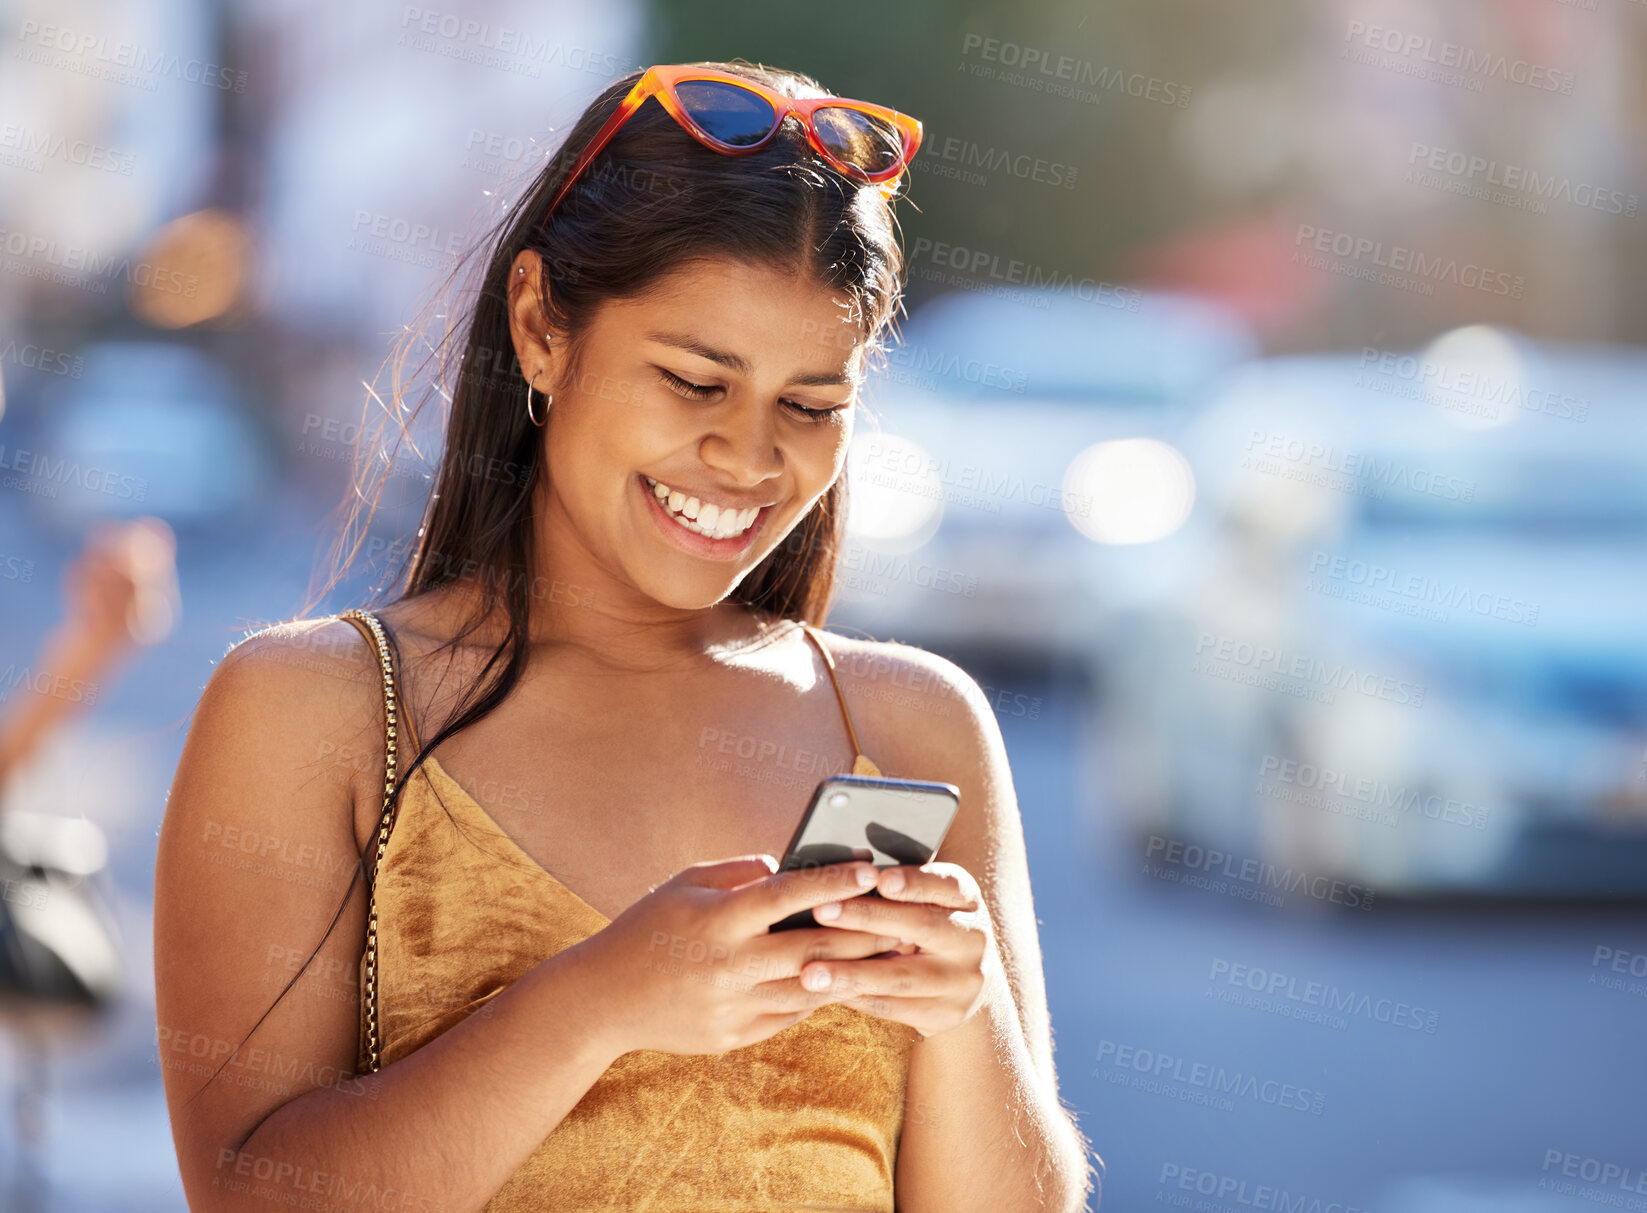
point(937, 907)
point(691, 967)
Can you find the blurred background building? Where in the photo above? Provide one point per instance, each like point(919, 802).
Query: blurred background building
point(1268, 435)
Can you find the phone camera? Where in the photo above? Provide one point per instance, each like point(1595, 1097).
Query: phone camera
point(838, 799)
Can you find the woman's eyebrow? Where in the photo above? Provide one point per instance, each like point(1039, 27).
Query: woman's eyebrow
point(690, 344)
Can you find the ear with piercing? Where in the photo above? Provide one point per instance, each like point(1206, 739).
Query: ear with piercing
point(547, 339)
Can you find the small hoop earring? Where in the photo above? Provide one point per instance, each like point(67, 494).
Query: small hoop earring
point(547, 401)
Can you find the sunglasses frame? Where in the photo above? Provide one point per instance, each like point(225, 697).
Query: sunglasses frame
point(660, 80)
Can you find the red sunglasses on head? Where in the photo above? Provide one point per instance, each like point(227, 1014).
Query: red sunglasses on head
point(736, 116)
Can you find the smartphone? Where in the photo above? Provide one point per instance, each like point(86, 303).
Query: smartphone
point(863, 817)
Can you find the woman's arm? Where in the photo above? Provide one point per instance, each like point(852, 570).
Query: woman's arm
point(258, 845)
point(984, 1127)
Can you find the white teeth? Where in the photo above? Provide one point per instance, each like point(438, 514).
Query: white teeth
point(702, 518)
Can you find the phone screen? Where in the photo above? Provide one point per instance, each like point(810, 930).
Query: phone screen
point(858, 817)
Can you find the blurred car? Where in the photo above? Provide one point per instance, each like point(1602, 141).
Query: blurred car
point(150, 427)
point(1016, 469)
point(1417, 657)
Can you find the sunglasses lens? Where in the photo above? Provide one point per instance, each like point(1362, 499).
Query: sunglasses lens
point(726, 112)
point(861, 140)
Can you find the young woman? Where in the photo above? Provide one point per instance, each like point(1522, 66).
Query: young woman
point(607, 706)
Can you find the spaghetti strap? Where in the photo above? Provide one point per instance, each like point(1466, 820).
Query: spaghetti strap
point(861, 764)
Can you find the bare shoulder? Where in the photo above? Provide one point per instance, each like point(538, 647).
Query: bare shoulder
point(921, 716)
point(917, 713)
point(307, 674)
point(298, 704)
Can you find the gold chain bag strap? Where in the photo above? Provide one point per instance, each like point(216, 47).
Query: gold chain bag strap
point(369, 627)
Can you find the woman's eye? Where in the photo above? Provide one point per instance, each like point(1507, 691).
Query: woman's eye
point(686, 387)
point(813, 414)
point(701, 391)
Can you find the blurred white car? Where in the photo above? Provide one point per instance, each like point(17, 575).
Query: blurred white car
point(1418, 657)
point(1015, 478)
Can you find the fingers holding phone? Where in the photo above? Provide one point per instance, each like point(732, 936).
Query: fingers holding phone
point(937, 907)
point(692, 967)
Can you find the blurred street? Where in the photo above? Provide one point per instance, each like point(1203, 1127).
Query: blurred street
point(1516, 1027)
point(1265, 430)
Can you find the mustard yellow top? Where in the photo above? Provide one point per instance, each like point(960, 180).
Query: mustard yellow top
point(807, 1119)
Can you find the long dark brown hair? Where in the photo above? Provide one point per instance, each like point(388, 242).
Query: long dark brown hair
point(653, 201)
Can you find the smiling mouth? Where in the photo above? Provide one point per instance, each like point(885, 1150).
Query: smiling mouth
point(702, 518)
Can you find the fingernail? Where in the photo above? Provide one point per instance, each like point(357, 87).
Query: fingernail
point(828, 912)
point(817, 979)
point(894, 881)
point(866, 877)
